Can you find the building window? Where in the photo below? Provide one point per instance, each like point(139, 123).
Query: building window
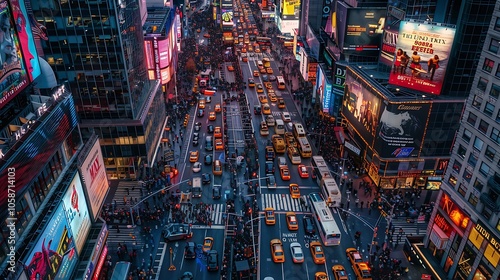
point(478, 143)
point(472, 199)
point(495, 90)
point(484, 169)
point(467, 175)
point(477, 101)
point(497, 24)
point(486, 213)
point(478, 185)
point(488, 65)
point(467, 135)
point(489, 108)
point(472, 160)
point(494, 45)
point(490, 152)
point(452, 180)
point(483, 126)
point(461, 151)
point(498, 116)
point(457, 165)
point(472, 119)
point(495, 135)
point(462, 190)
point(482, 83)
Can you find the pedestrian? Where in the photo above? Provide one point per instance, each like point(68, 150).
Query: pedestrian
point(128, 192)
point(362, 202)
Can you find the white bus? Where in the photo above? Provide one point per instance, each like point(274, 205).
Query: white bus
point(304, 147)
point(320, 169)
point(298, 130)
point(331, 192)
point(327, 227)
point(280, 82)
point(196, 187)
point(279, 127)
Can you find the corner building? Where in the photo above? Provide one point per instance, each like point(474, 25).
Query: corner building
point(98, 48)
point(463, 236)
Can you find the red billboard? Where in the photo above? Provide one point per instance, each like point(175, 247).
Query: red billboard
point(421, 57)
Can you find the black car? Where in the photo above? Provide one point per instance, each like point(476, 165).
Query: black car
point(201, 113)
point(206, 178)
point(265, 78)
point(208, 159)
point(269, 167)
point(190, 251)
point(197, 126)
point(309, 226)
point(272, 78)
point(187, 276)
point(257, 110)
point(213, 261)
point(210, 129)
point(216, 193)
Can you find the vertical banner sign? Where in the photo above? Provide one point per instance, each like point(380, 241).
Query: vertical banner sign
point(421, 57)
point(313, 68)
point(339, 76)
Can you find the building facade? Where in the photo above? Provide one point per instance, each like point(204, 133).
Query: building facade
point(95, 49)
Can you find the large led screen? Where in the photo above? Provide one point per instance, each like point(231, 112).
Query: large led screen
point(77, 212)
point(13, 72)
point(361, 107)
point(290, 8)
point(421, 58)
point(401, 129)
point(53, 257)
point(227, 17)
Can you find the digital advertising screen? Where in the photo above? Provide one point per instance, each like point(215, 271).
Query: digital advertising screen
point(13, 70)
point(395, 14)
point(227, 17)
point(94, 178)
point(38, 148)
point(401, 129)
point(364, 28)
point(290, 8)
point(361, 107)
point(164, 52)
point(53, 257)
point(77, 212)
point(421, 57)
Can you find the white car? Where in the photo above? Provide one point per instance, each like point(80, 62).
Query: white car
point(197, 167)
point(297, 254)
point(286, 117)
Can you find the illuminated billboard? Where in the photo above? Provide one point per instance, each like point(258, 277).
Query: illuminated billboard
point(290, 9)
point(400, 129)
point(323, 89)
point(13, 72)
point(158, 55)
point(227, 17)
point(77, 212)
point(361, 107)
point(94, 177)
point(391, 30)
point(359, 29)
point(421, 57)
point(53, 257)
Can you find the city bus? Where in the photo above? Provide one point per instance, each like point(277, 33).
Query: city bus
point(305, 149)
point(263, 41)
point(331, 192)
point(266, 62)
point(298, 130)
point(121, 271)
point(328, 229)
point(320, 169)
point(280, 82)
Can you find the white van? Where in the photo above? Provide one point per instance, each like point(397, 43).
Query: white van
point(270, 120)
point(196, 187)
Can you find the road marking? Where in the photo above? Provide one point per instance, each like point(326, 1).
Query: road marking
point(207, 227)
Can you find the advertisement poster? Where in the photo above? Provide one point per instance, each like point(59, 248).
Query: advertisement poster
point(227, 17)
point(421, 57)
point(401, 129)
point(364, 28)
point(13, 73)
point(53, 257)
point(94, 177)
point(395, 14)
point(290, 9)
point(313, 69)
point(361, 107)
point(77, 212)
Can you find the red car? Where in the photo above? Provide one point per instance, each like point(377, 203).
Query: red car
point(303, 171)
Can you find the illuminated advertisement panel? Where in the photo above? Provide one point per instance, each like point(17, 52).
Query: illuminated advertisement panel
point(391, 30)
point(38, 148)
point(94, 177)
point(53, 257)
point(290, 9)
point(101, 241)
point(77, 212)
point(13, 72)
point(164, 52)
point(148, 53)
point(227, 17)
point(454, 212)
point(422, 56)
point(320, 81)
point(313, 69)
point(401, 129)
point(361, 107)
point(364, 29)
point(327, 96)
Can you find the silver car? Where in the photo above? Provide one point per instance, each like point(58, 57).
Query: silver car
point(297, 254)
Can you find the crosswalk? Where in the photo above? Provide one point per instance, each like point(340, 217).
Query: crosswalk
point(128, 235)
point(283, 202)
point(409, 229)
point(217, 213)
point(127, 191)
point(278, 114)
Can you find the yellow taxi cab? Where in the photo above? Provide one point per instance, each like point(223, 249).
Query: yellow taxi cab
point(291, 221)
point(212, 116)
point(243, 50)
point(262, 70)
point(339, 272)
point(266, 109)
point(256, 73)
point(208, 243)
point(269, 71)
point(321, 276)
point(251, 83)
point(264, 130)
point(219, 145)
point(260, 89)
point(269, 85)
point(201, 104)
point(362, 271)
point(262, 99)
point(317, 252)
point(281, 103)
point(217, 168)
point(244, 58)
point(294, 191)
point(250, 49)
point(218, 132)
point(257, 50)
point(218, 108)
point(272, 96)
point(193, 157)
point(269, 215)
point(285, 173)
point(277, 251)
point(303, 173)
point(230, 68)
point(354, 256)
